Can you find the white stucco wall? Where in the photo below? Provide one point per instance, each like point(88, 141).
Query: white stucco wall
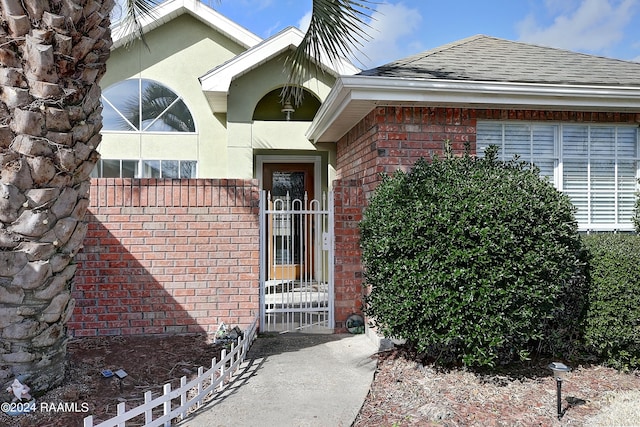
point(224, 145)
point(281, 137)
point(179, 52)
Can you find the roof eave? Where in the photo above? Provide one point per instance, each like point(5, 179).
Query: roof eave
point(170, 10)
point(353, 97)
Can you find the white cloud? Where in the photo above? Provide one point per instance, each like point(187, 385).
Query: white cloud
point(277, 26)
point(117, 11)
point(305, 21)
point(590, 25)
point(555, 6)
point(392, 26)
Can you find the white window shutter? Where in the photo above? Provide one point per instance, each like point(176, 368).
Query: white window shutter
point(598, 164)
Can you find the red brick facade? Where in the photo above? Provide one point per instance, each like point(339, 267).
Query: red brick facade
point(348, 207)
point(181, 256)
point(178, 256)
point(387, 139)
point(168, 256)
point(392, 138)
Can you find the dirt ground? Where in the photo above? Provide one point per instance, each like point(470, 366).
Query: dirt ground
point(150, 362)
point(407, 393)
point(404, 392)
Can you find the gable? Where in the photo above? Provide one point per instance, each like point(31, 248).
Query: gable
point(168, 10)
point(216, 82)
point(198, 48)
point(176, 63)
point(265, 78)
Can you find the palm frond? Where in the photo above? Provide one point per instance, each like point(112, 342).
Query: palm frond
point(158, 104)
point(132, 15)
point(336, 32)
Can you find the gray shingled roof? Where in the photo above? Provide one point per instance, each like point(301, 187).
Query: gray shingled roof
point(484, 58)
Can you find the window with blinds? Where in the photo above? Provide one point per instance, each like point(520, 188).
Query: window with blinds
point(595, 165)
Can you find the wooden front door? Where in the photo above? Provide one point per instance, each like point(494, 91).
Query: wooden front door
point(288, 184)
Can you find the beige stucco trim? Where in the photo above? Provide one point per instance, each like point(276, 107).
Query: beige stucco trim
point(280, 136)
point(169, 60)
point(224, 144)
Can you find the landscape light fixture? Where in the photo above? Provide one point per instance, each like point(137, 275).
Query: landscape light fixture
point(559, 372)
point(288, 109)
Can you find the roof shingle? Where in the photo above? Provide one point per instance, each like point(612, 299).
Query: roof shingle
point(484, 58)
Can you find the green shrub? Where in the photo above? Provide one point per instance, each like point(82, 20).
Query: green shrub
point(612, 321)
point(472, 259)
point(636, 212)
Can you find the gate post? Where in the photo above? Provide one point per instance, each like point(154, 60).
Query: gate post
point(262, 254)
point(349, 203)
point(332, 259)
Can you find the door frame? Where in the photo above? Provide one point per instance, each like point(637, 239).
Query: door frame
point(283, 317)
point(261, 159)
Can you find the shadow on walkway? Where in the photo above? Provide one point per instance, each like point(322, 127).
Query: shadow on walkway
point(295, 380)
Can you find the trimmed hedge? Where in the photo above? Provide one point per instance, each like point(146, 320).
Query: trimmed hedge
point(472, 260)
point(612, 321)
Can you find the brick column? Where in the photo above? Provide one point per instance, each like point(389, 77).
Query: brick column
point(349, 203)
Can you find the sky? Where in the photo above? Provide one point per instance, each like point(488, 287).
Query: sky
point(400, 28)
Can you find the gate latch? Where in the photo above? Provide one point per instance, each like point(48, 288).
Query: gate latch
point(326, 241)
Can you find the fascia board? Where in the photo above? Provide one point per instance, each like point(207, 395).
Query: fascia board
point(219, 79)
point(216, 83)
point(171, 9)
point(332, 107)
point(380, 91)
point(475, 92)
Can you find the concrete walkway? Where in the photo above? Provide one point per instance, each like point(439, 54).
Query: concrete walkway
point(295, 380)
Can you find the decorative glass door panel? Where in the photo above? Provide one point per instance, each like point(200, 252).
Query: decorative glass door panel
point(290, 187)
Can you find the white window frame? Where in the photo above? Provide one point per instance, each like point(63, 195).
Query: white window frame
point(560, 158)
point(141, 164)
point(145, 131)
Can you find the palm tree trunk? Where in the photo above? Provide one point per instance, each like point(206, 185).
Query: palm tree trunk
point(52, 56)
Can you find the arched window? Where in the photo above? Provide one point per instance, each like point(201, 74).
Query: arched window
point(142, 105)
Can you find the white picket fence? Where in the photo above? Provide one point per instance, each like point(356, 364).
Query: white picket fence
point(217, 378)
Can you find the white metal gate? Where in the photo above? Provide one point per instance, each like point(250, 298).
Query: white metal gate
point(296, 264)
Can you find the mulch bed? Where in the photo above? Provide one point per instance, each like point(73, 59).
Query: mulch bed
point(407, 393)
point(404, 392)
point(149, 361)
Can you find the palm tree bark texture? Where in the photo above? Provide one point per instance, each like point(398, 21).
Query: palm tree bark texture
point(52, 56)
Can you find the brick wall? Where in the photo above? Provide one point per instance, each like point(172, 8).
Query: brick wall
point(391, 138)
point(177, 256)
point(564, 116)
point(348, 205)
point(394, 137)
point(168, 256)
